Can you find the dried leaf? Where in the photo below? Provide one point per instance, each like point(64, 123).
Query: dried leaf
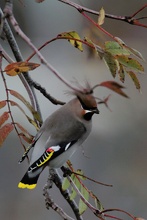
point(27, 139)
point(24, 131)
point(130, 63)
point(4, 117)
point(134, 78)
point(74, 42)
point(114, 86)
point(5, 131)
point(2, 104)
point(121, 73)
point(14, 69)
point(101, 17)
point(27, 104)
point(112, 63)
point(82, 205)
point(29, 119)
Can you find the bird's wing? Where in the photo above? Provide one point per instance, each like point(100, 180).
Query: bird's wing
point(49, 154)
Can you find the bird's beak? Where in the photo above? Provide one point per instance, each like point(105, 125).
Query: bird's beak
point(96, 111)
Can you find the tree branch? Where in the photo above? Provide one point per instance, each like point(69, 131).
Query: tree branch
point(25, 78)
point(128, 19)
point(50, 203)
point(58, 182)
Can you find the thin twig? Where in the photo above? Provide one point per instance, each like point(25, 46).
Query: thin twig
point(128, 19)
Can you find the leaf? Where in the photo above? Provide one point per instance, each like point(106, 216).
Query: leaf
point(112, 63)
point(114, 86)
point(2, 104)
point(98, 204)
point(65, 184)
point(27, 104)
point(131, 50)
point(121, 73)
point(27, 139)
point(14, 69)
point(73, 194)
point(80, 172)
point(101, 16)
point(82, 205)
point(134, 78)
point(74, 42)
point(115, 48)
point(130, 63)
point(4, 117)
point(5, 131)
point(24, 130)
point(29, 119)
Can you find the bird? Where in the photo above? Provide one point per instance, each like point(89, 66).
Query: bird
point(60, 135)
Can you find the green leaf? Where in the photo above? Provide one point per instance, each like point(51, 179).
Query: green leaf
point(130, 63)
point(82, 205)
point(115, 48)
point(112, 63)
point(73, 194)
point(65, 184)
point(131, 50)
point(134, 78)
point(74, 42)
point(98, 204)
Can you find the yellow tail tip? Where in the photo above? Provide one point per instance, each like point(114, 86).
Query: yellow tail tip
point(27, 186)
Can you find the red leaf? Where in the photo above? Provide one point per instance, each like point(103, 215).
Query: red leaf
point(114, 86)
point(4, 117)
point(2, 104)
point(4, 132)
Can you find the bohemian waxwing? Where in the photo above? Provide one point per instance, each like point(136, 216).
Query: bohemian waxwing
point(60, 136)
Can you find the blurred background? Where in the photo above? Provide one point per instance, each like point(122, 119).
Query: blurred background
point(117, 146)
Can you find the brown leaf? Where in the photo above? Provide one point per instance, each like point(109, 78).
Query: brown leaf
point(24, 130)
point(5, 131)
point(2, 104)
point(114, 86)
point(14, 69)
point(27, 139)
point(4, 117)
point(29, 119)
point(27, 104)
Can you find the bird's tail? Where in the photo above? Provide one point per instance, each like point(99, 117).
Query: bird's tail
point(28, 182)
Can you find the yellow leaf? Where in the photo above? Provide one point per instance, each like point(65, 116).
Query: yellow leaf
point(75, 41)
point(14, 69)
point(134, 78)
point(101, 16)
